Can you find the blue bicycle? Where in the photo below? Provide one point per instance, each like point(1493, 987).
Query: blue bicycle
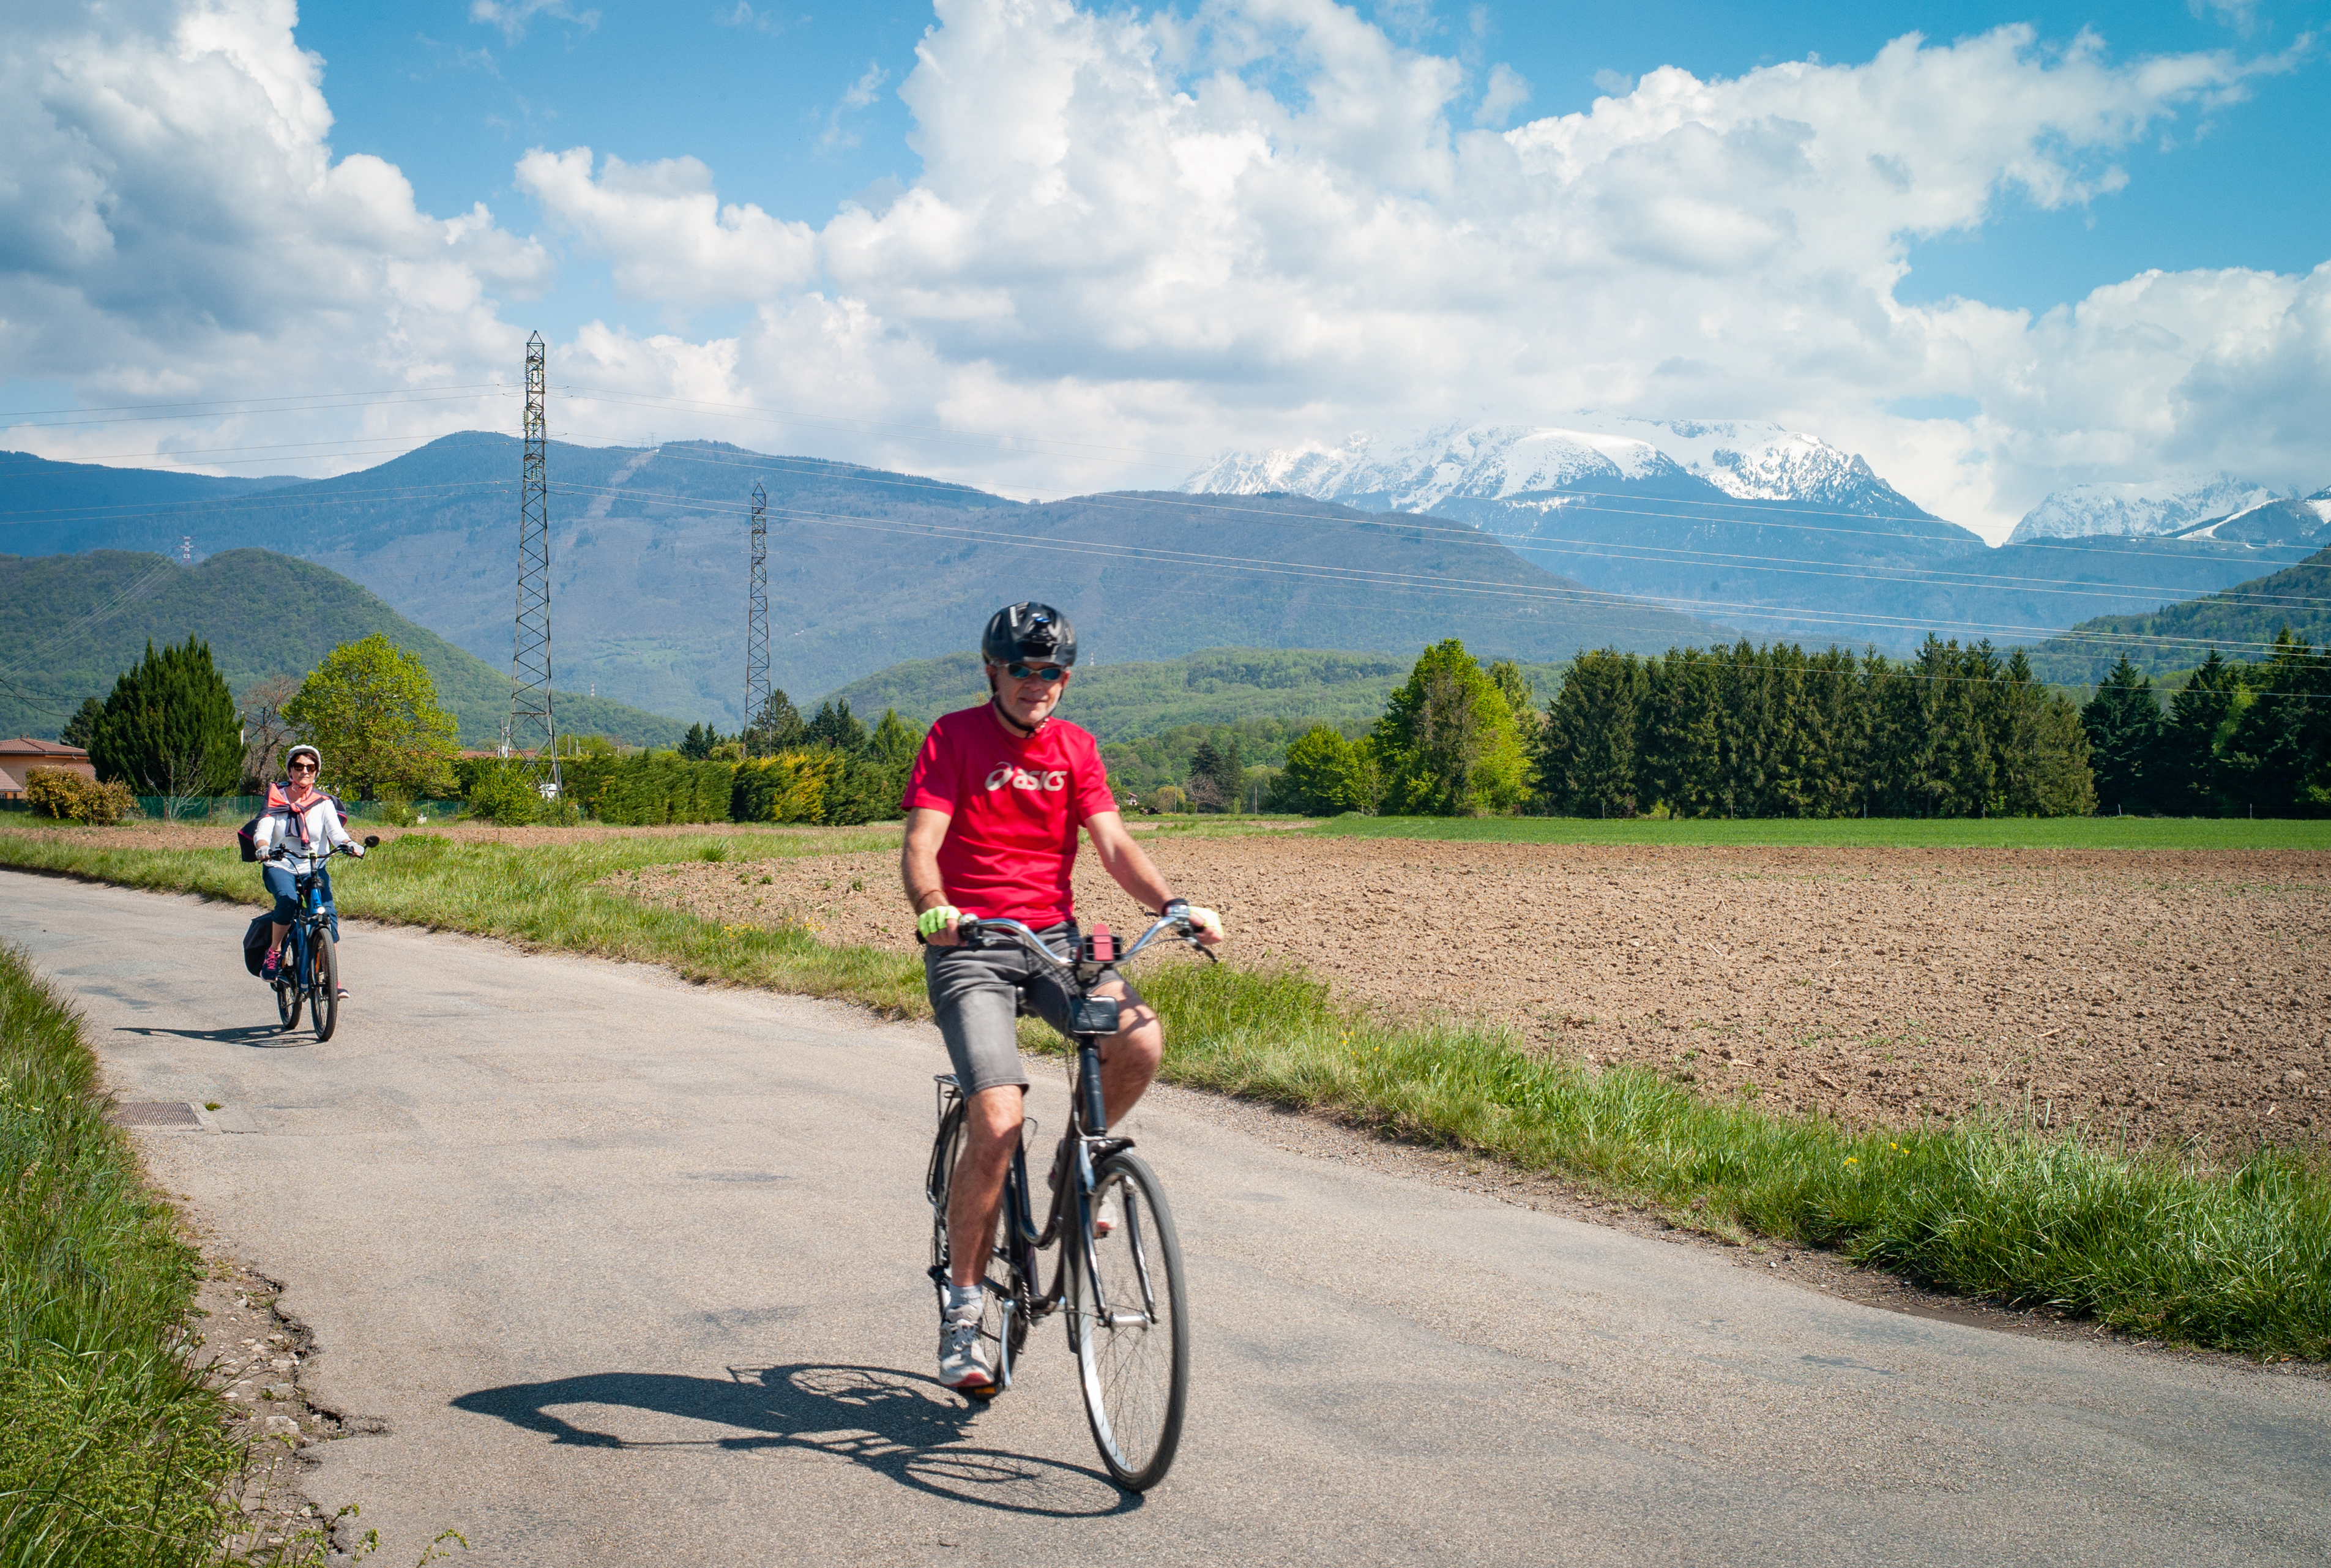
point(310, 976)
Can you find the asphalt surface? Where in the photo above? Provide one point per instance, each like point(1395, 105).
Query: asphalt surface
point(631, 1271)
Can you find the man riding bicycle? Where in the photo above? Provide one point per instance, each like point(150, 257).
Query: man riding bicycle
point(993, 809)
point(295, 835)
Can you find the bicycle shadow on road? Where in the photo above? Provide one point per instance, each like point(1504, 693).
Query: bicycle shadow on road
point(907, 1427)
point(242, 1034)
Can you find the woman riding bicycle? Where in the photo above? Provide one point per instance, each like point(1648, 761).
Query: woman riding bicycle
point(993, 809)
point(303, 823)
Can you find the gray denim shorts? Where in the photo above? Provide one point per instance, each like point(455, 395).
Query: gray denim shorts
point(978, 993)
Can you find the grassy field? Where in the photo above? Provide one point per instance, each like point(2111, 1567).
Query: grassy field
point(2236, 1259)
point(1854, 832)
point(114, 1452)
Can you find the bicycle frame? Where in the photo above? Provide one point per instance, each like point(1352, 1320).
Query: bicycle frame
point(1087, 1135)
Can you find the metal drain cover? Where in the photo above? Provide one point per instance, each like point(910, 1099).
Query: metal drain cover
point(174, 1114)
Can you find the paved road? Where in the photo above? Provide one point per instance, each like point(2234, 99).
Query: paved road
point(631, 1271)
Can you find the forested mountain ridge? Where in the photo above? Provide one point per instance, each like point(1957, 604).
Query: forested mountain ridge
point(2242, 623)
point(1217, 685)
point(69, 624)
point(868, 569)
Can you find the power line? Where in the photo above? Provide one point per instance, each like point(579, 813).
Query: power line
point(1410, 580)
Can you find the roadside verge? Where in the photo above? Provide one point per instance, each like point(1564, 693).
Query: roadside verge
point(116, 1450)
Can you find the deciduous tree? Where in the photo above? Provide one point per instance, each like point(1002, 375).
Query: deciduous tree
point(1449, 743)
point(373, 709)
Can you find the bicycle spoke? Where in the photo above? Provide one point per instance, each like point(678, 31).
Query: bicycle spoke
point(1134, 1361)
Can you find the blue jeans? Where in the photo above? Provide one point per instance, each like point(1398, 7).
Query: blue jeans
point(280, 883)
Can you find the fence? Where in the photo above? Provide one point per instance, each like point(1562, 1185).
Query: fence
point(237, 809)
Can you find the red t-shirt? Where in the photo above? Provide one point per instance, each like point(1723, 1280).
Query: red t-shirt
point(1015, 807)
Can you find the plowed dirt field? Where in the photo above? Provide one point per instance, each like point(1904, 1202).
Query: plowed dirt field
point(2169, 996)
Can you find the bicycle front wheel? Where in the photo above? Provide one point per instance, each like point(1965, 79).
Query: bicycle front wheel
point(290, 988)
point(326, 974)
point(1128, 1319)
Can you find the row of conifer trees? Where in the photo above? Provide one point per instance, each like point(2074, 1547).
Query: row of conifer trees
point(1776, 731)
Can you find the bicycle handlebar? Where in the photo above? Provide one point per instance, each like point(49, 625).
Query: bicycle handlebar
point(282, 852)
point(973, 931)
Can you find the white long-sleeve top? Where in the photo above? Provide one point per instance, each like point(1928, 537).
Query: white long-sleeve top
point(324, 830)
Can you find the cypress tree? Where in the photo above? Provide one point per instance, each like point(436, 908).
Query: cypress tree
point(1680, 747)
point(2277, 759)
point(2124, 725)
point(83, 726)
point(2202, 716)
point(170, 726)
point(1586, 762)
point(776, 728)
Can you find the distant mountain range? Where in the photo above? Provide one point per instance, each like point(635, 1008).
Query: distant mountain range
point(2179, 506)
point(1528, 542)
point(1782, 532)
point(69, 624)
point(866, 568)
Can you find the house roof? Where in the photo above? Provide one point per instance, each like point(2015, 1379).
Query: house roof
point(24, 745)
point(9, 785)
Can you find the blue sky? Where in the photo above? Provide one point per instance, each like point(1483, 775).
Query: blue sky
point(772, 99)
point(1043, 248)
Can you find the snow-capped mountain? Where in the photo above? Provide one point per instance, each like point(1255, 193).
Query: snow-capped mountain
point(2306, 522)
point(2170, 504)
point(1534, 466)
point(1778, 531)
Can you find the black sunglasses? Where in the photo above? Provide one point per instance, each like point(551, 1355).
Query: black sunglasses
point(303, 767)
point(1046, 673)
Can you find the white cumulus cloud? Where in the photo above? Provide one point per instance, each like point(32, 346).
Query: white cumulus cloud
point(174, 225)
point(665, 230)
point(1137, 240)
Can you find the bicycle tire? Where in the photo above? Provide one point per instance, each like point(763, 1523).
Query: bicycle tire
point(288, 994)
point(325, 974)
point(1005, 1288)
point(1134, 1365)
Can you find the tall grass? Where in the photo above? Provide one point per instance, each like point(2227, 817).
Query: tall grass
point(111, 1451)
point(2235, 1260)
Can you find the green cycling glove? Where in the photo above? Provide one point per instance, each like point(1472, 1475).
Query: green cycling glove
point(936, 919)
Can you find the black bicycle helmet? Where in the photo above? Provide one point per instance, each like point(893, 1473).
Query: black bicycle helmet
point(1027, 630)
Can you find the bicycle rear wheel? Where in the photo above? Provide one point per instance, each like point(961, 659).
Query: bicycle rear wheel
point(325, 973)
point(1128, 1322)
point(1003, 1316)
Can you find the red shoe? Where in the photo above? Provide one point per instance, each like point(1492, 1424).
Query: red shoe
point(272, 969)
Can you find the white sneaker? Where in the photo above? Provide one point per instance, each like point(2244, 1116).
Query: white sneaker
point(963, 1358)
point(1105, 1216)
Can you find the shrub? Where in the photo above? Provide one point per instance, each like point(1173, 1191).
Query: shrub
point(55, 792)
point(789, 787)
point(502, 790)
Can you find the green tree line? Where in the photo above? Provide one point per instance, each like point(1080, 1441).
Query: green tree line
point(2238, 737)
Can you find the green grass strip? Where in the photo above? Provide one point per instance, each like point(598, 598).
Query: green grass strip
point(2236, 1260)
point(111, 1453)
point(1856, 832)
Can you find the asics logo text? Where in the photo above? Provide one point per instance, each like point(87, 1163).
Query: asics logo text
point(1019, 778)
